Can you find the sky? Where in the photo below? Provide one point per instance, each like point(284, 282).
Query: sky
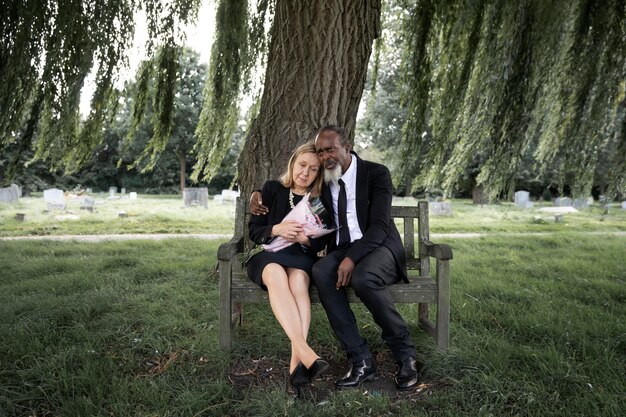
point(199, 37)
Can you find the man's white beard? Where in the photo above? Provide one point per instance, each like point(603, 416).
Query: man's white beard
point(332, 174)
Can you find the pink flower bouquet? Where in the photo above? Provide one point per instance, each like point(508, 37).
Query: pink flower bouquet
point(309, 215)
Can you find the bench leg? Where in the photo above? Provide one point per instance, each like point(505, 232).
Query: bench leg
point(443, 304)
point(225, 309)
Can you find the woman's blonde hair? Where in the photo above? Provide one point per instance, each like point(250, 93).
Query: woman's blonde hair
point(287, 178)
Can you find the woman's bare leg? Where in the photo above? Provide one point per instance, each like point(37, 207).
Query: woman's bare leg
point(286, 312)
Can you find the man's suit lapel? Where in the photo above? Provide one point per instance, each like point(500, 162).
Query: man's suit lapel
point(361, 193)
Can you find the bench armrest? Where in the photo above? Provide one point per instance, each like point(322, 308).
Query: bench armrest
point(439, 250)
point(227, 251)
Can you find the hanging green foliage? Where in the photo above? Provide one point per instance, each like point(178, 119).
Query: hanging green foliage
point(240, 43)
point(491, 80)
point(47, 50)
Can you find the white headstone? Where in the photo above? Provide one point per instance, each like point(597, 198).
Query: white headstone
point(440, 208)
point(53, 195)
point(563, 202)
point(193, 197)
point(624, 205)
point(55, 199)
point(18, 189)
point(9, 194)
point(582, 202)
point(132, 195)
point(112, 191)
point(88, 203)
point(230, 195)
point(521, 198)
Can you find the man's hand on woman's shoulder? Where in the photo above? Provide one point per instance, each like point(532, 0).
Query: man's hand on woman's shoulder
point(256, 204)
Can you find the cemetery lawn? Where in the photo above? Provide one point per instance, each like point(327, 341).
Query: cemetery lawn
point(129, 328)
point(147, 214)
point(151, 214)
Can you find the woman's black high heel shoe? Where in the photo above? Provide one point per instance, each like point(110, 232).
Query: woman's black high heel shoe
point(299, 378)
point(317, 368)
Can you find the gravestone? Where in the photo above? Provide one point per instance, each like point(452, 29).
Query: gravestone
point(55, 199)
point(623, 205)
point(123, 191)
point(9, 194)
point(582, 202)
point(230, 195)
point(193, 197)
point(437, 208)
point(112, 192)
point(563, 202)
point(89, 190)
point(88, 204)
point(522, 199)
point(132, 195)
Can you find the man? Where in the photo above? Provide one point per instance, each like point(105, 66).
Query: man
point(366, 253)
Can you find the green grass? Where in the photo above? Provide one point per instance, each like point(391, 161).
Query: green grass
point(130, 329)
point(166, 214)
point(147, 214)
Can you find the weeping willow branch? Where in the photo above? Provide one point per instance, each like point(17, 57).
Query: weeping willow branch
point(48, 48)
point(220, 111)
point(491, 80)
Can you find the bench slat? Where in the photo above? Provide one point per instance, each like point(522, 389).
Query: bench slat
point(419, 290)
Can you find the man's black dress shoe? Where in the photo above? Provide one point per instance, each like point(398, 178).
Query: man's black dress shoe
point(359, 372)
point(318, 368)
point(407, 375)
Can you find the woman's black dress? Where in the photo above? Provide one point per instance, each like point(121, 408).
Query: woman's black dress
point(276, 198)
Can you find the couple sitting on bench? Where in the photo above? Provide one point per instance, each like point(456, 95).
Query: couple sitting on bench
point(365, 252)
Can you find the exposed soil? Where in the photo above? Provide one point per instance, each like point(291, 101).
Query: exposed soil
point(266, 372)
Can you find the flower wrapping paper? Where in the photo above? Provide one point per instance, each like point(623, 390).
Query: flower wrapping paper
point(309, 216)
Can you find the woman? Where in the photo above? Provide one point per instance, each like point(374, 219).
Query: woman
point(286, 274)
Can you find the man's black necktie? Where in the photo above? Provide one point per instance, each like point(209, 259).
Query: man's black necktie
point(342, 209)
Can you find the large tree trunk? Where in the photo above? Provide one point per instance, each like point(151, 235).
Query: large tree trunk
point(317, 64)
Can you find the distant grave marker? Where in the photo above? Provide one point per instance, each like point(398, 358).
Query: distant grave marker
point(193, 197)
point(55, 199)
point(132, 195)
point(230, 195)
point(522, 199)
point(582, 202)
point(563, 202)
point(88, 204)
point(437, 208)
point(10, 194)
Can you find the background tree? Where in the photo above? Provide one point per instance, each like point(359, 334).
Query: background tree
point(187, 102)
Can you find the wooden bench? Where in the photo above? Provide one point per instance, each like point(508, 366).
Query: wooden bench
point(235, 288)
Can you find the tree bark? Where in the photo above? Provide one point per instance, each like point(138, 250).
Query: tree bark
point(316, 69)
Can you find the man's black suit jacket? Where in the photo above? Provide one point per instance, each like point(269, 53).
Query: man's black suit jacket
point(373, 206)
